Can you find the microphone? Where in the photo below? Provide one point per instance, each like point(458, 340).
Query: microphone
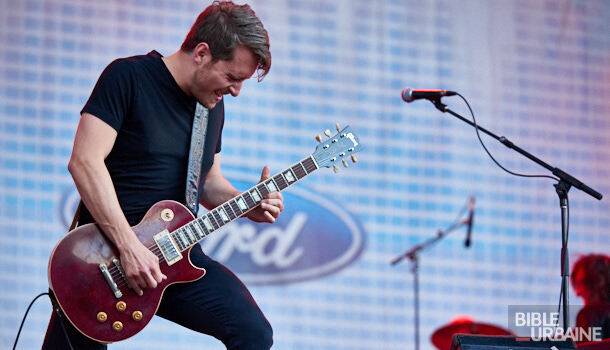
point(469, 222)
point(409, 95)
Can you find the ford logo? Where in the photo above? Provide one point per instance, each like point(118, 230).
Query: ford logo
point(313, 237)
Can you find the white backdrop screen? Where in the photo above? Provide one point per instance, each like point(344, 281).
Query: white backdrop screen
point(537, 72)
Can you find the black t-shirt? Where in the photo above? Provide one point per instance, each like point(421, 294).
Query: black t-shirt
point(140, 99)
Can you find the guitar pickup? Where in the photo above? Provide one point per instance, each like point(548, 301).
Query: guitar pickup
point(167, 247)
point(108, 277)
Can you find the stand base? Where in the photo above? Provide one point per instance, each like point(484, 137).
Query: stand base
point(480, 342)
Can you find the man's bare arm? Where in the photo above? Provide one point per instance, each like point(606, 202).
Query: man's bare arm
point(93, 142)
point(217, 190)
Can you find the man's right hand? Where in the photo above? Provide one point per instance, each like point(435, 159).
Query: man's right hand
point(141, 266)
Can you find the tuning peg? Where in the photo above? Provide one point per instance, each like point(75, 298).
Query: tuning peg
point(318, 138)
point(327, 133)
point(354, 159)
point(335, 169)
point(338, 127)
point(344, 163)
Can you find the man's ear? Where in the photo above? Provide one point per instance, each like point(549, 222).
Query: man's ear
point(202, 54)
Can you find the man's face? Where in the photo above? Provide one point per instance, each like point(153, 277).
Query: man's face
point(213, 79)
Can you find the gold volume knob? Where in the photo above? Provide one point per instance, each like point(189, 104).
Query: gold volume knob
point(137, 315)
point(117, 326)
point(121, 306)
point(101, 316)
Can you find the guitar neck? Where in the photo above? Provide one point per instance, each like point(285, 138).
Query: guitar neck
point(196, 230)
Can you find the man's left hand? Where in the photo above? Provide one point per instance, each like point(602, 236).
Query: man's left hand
point(271, 206)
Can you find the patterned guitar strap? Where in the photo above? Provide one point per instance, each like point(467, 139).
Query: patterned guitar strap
point(200, 127)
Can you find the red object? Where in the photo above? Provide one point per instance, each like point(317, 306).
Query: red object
point(442, 337)
point(82, 292)
point(594, 345)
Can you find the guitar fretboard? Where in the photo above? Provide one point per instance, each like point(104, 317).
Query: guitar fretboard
point(198, 229)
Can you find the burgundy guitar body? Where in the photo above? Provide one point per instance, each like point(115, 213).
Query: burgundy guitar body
point(86, 297)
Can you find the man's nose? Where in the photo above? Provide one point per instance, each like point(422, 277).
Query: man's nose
point(235, 89)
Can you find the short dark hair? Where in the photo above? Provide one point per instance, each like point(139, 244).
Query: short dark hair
point(224, 26)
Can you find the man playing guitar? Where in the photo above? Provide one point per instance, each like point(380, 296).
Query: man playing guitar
point(131, 150)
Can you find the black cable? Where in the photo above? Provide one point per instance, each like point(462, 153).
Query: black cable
point(559, 306)
point(61, 322)
point(24, 317)
point(474, 120)
point(476, 128)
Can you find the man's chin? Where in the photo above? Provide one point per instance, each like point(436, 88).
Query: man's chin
point(209, 104)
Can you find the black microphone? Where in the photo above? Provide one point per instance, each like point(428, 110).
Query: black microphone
point(469, 222)
point(409, 95)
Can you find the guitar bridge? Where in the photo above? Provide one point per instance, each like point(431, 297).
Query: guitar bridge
point(108, 277)
point(118, 266)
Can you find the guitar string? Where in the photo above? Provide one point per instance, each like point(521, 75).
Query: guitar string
point(156, 249)
point(116, 273)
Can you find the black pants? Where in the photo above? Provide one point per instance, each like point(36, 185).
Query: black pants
point(218, 304)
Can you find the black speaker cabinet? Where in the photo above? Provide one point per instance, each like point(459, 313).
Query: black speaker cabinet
point(486, 342)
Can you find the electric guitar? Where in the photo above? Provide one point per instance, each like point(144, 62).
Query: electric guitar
point(85, 272)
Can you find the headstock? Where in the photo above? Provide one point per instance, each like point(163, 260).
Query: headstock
point(336, 149)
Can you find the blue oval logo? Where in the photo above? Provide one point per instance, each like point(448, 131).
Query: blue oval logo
point(313, 237)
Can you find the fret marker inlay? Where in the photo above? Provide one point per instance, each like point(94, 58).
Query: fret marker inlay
point(288, 175)
point(242, 204)
point(207, 224)
point(223, 215)
point(190, 235)
point(271, 186)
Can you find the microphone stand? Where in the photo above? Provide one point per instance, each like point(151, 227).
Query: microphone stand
point(566, 181)
point(413, 255)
